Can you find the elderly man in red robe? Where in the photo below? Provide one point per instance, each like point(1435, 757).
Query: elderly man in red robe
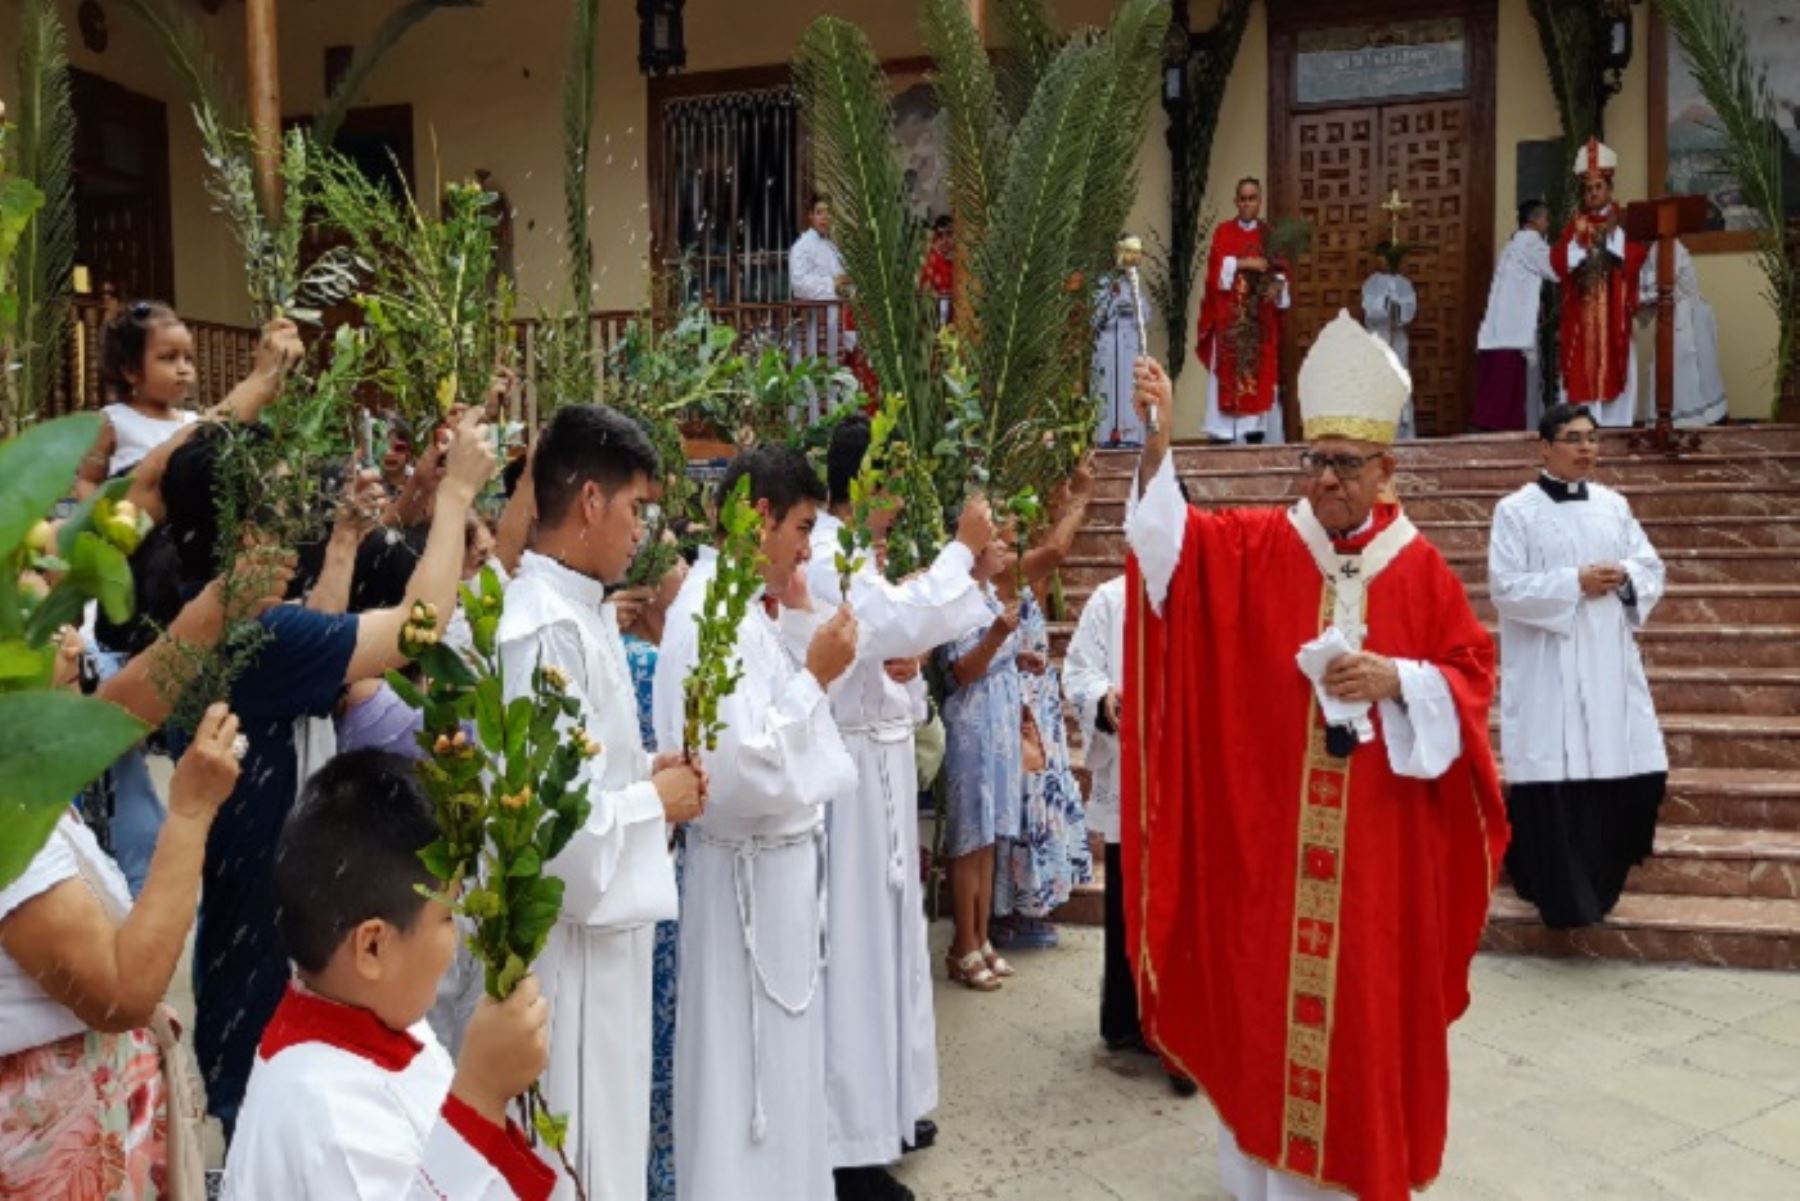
point(1598, 268)
point(1239, 341)
point(1311, 815)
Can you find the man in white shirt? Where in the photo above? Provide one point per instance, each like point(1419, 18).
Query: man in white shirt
point(816, 273)
point(1507, 391)
point(1574, 579)
point(591, 475)
point(750, 1099)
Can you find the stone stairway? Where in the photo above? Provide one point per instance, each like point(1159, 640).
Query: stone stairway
point(1722, 651)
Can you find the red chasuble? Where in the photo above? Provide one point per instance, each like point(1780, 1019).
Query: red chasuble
point(1595, 333)
point(1244, 390)
point(1301, 926)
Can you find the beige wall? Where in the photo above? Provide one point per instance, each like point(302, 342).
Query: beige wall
point(485, 89)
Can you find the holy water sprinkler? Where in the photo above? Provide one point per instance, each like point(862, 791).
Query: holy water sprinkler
point(1128, 254)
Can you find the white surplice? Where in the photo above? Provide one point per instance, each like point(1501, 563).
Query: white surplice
point(1511, 321)
point(1699, 386)
point(1621, 410)
point(750, 1109)
point(1116, 350)
point(1574, 701)
point(880, 1032)
point(620, 881)
point(1094, 666)
point(814, 266)
point(1390, 302)
point(341, 1108)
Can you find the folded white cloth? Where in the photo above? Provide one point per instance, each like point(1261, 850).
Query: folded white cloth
point(1314, 659)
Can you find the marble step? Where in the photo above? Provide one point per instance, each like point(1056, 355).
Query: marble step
point(1106, 541)
point(1721, 861)
point(1738, 798)
point(1732, 740)
point(1745, 932)
point(1228, 479)
point(1477, 504)
point(1718, 646)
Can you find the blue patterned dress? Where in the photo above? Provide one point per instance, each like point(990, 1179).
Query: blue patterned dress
point(1045, 854)
point(983, 766)
point(642, 657)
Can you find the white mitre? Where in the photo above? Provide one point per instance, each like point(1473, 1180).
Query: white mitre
point(1595, 155)
point(1351, 385)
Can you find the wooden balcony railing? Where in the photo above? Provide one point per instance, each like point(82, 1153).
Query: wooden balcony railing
point(224, 353)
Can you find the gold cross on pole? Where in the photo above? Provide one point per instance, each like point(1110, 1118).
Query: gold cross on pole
point(1394, 206)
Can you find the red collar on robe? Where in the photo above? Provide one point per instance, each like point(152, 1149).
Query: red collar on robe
point(304, 1017)
point(1381, 517)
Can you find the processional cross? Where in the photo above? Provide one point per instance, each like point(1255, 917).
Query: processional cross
point(1395, 207)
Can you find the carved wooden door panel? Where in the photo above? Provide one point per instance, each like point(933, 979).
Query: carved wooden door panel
point(122, 224)
point(1424, 154)
point(1333, 170)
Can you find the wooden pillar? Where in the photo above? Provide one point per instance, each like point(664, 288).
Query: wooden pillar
point(263, 67)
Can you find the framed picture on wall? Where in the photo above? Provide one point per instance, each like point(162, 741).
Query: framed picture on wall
point(1685, 139)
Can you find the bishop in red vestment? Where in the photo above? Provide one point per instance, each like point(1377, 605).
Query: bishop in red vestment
point(1598, 268)
point(1308, 857)
point(1240, 402)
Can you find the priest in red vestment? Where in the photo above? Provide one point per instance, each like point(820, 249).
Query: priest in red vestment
point(1239, 316)
point(1598, 268)
point(1312, 820)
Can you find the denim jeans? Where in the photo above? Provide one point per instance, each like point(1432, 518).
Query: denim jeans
point(137, 816)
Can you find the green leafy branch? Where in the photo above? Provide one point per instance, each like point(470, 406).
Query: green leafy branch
point(736, 579)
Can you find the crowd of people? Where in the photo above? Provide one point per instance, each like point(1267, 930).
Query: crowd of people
point(344, 1040)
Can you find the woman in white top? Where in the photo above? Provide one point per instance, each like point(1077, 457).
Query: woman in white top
point(147, 371)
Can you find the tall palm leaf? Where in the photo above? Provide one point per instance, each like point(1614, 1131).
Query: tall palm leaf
point(1025, 302)
point(1028, 29)
point(1711, 34)
point(184, 44)
point(46, 255)
point(977, 133)
point(368, 56)
point(844, 98)
point(1134, 44)
point(579, 369)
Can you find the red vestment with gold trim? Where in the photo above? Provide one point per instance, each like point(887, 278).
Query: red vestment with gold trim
point(1242, 391)
point(1301, 926)
point(1594, 337)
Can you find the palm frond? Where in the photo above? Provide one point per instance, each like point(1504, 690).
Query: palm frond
point(45, 261)
point(578, 137)
point(1711, 34)
point(1031, 43)
point(1134, 42)
point(182, 41)
point(368, 56)
point(965, 84)
point(1026, 300)
point(844, 100)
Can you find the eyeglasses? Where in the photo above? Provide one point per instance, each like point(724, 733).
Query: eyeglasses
point(1342, 466)
point(1591, 438)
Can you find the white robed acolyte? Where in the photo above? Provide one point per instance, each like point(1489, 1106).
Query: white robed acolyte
point(342, 1108)
point(1699, 386)
point(596, 969)
point(881, 1036)
point(1094, 666)
point(1574, 701)
point(1514, 297)
point(1390, 302)
point(814, 265)
point(750, 1103)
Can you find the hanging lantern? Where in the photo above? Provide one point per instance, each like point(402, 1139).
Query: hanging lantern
point(661, 45)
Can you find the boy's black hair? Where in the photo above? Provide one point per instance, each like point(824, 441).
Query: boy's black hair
point(349, 853)
point(1528, 211)
point(1558, 416)
point(384, 567)
point(511, 474)
point(778, 474)
point(587, 442)
point(844, 456)
point(125, 339)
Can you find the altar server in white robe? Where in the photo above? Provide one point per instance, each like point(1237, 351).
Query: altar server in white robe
point(1508, 384)
point(1699, 386)
point(351, 1097)
point(880, 1034)
point(1574, 579)
point(750, 1111)
point(816, 273)
point(1390, 302)
point(591, 475)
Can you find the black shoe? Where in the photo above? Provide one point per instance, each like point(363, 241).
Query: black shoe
point(1133, 1042)
point(924, 1134)
point(869, 1184)
point(1181, 1086)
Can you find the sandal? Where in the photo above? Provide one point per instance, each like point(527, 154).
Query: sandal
point(995, 964)
point(971, 971)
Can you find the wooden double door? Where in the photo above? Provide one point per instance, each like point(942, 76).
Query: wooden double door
point(1397, 100)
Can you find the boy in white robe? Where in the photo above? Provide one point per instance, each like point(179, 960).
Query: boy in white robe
point(1507, 383)
point(351, 1097)
point(591, 474)
point(881, 1037)
point(750, 1110)
point(1574, 579)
